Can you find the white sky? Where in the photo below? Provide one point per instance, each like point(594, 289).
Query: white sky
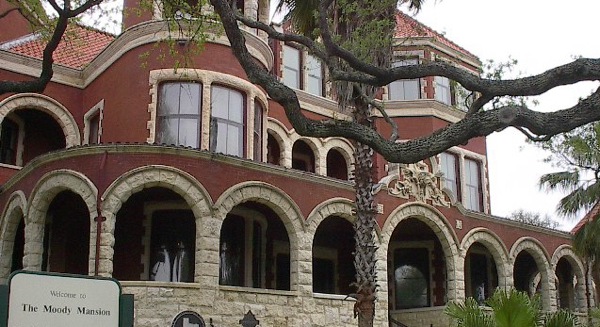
point(540, 34)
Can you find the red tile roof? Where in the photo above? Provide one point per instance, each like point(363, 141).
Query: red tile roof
point(590, 216)
point(408, 27)
point(80, 45)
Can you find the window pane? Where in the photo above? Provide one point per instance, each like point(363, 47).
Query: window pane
point(169, 99)
point(219, 102)
point(234, 136)
point(473, 185)
point(314, 82)
point(189, 98)
point(167, 134)
point(291, 66)
point(228, 116)
point(258, 117)
point(236, 102)
point(442, 90)
point(178, 120)
point(188, 132)
point(406, 89)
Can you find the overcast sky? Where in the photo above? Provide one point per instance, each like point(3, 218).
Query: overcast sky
point(540, 34)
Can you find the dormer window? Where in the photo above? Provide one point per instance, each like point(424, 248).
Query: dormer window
point(405, 89)
point(178, 114)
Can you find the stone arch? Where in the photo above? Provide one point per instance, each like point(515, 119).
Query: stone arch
point(537, 250)
point(444, 232)
point(278, 131)
point(566, 251)
point(41, 197)
point(180, 182)
point(15, 210)
point(498, 250)
point(48, 105)
point(342, 146)
point(337, 206)
point(278, 201)
point(344, 271)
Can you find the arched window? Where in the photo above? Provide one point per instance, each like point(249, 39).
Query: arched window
point(227, 121)
point(336, 165)
point(273, 150)
point(179, 114)
point(303, 157)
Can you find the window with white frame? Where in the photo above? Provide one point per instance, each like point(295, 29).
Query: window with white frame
point(449, 167)
point(314, 79)
point(291, 66)
point(179, 114)
point(227, 121)
point(405, 89)
point(473, 193)
point(442, 90)
point(93, 124)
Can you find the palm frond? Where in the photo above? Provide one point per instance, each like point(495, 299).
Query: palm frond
point(582, 198)
point(515, 309)
point(563, 180)
point(468, 314)
point(562, 318)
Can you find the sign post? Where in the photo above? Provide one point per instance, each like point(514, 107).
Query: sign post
point(57, 300)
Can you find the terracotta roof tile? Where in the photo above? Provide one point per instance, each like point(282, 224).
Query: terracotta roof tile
point(80, 45)
point(408, 27)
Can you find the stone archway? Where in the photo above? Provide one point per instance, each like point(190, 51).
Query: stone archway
point(47, 105)
point(537, 251)
point(14, 214)
point(42, 196)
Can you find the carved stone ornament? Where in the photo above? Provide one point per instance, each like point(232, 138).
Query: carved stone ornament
point(415, 181)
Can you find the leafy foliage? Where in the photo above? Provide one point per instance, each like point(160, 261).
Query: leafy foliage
point(578, 153)
point(508, 309)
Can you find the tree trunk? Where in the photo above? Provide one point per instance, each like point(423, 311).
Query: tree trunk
point(364, 226)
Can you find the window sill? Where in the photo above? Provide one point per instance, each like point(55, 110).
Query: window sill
point(333, 297)
point(242, 289)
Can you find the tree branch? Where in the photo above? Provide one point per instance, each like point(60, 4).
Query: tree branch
point(479, 123)
point(39, 84)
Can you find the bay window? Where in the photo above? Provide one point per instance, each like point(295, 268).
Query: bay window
point(179, 114)
point(227, 121)
point(405, 89)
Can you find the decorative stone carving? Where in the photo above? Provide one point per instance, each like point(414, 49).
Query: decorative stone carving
point(416, 181)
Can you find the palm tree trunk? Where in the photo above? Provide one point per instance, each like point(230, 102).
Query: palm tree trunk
point(364, 226)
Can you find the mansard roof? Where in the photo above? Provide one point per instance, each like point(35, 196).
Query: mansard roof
point(79, 46)
point(408, 27)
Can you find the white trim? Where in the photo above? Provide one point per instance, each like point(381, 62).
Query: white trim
point(98, 108)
